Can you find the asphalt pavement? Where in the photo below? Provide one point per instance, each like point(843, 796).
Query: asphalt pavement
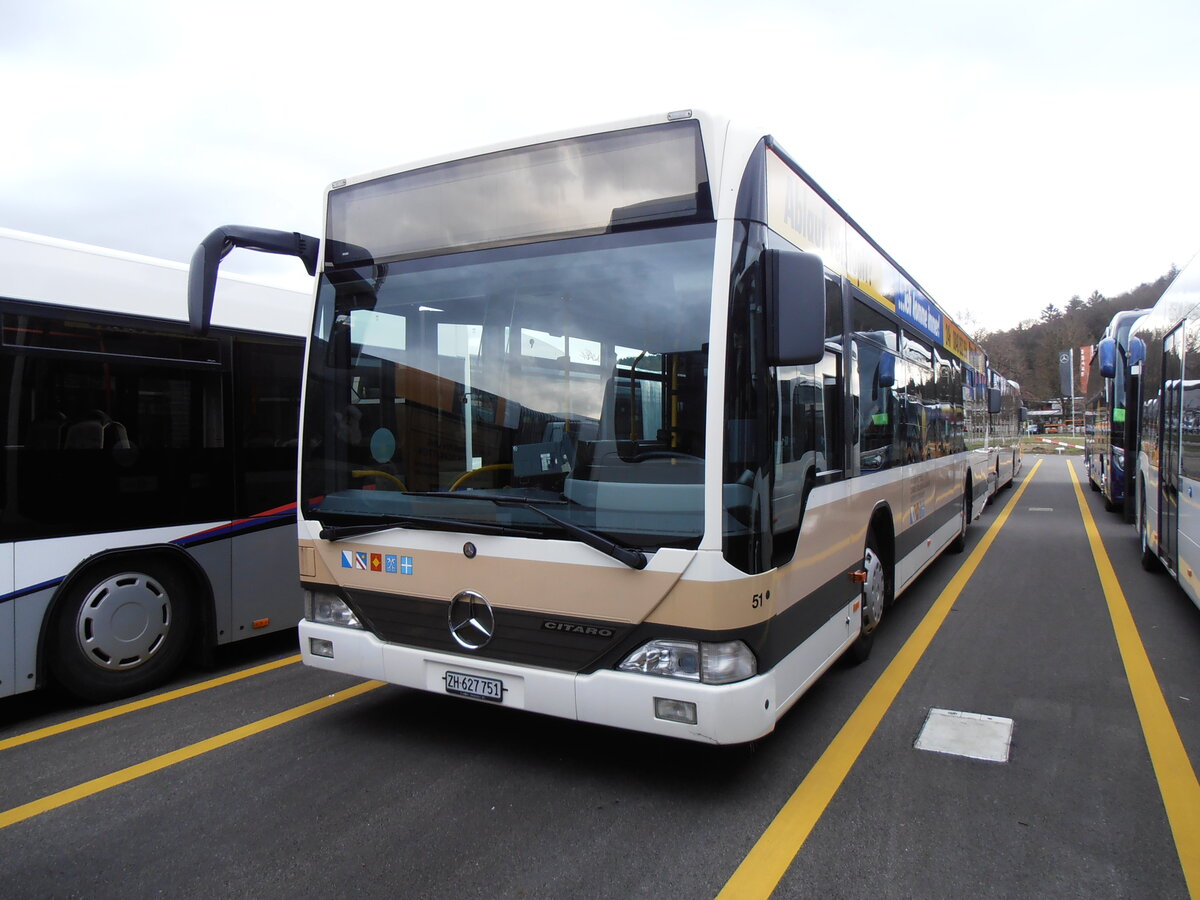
point(289, 781)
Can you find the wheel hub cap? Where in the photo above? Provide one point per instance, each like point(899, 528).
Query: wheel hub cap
point(874, 591)
point(123, 621)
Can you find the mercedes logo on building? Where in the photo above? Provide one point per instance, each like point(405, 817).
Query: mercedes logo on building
point(472, 622)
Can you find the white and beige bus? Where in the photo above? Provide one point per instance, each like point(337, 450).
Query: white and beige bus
point(632, 426)
point(1006, 422)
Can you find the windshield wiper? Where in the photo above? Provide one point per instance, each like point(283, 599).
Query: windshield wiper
point(383, 523)
point(630, 556)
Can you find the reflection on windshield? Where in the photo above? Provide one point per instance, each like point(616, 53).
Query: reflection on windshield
point(572, 372)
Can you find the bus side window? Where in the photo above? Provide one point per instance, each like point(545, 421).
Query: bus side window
point(1190, 424)
point(919, 422)
point(879, 378)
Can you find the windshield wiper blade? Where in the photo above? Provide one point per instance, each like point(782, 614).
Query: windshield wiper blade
point(383, 523)
point(630, 556)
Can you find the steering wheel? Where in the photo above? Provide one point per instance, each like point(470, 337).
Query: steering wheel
point(377, 473)
point(467, 476)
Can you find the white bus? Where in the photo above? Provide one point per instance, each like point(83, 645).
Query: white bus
point(1164, 386)
point(632, 426)
point(147, 486)
point(1006, 418)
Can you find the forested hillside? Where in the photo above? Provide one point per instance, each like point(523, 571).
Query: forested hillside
point(1028, 353)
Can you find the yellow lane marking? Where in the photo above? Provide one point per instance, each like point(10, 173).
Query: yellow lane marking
point(1172, 767)
point(768, 860)
point(124, 776)
point(125, 709)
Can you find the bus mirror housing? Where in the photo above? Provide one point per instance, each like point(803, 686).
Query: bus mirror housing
point(795, 286)
point(993, 397)
point(202, 274)
point(887, 370)
point(1137, 351)
point(1023, 414)
point(1107, 354)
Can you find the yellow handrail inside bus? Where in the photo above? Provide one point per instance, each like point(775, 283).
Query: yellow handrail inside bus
point(465, 476)
point(376, 473)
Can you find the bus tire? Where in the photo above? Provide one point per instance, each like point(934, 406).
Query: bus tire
point(875, 596)
point(1149, 557)
point(123, 626)
point(959, 544)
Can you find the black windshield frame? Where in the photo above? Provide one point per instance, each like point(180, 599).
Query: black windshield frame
point(622, 347)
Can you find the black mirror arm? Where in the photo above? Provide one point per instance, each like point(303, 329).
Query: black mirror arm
point(202, 275)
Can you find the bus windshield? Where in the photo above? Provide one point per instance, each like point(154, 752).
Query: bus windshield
point(569, 375)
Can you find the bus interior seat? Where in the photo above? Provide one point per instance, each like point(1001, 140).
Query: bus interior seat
point(97, 431)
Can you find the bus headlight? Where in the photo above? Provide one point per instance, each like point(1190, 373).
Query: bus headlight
point(726, 663)
point(329, 609)
point(721, 663)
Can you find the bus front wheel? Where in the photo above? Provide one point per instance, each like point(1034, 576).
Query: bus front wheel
point(875, 596)
point(122, 627)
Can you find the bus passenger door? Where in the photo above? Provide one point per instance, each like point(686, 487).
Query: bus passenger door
point(1171, 421)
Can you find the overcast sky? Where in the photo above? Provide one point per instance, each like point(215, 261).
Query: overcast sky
point(1008, 155)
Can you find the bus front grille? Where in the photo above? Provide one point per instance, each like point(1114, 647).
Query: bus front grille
point(520, 637)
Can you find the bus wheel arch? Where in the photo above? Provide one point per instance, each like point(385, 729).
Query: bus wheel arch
point(124, 621)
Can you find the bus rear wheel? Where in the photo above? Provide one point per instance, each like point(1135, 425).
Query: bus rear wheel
point(122, 627)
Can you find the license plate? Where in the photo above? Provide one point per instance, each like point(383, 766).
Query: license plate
point(475, 687)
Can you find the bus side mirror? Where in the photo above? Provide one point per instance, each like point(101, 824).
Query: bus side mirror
point(887, 370)
point(993, 397)
point(1107, 353)
point(1023, 414)
point(1137, 351)
point(795, 287)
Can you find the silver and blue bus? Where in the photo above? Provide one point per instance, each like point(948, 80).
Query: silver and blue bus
point(148, 480)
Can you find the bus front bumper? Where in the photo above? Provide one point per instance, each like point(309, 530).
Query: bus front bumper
point(724, 714)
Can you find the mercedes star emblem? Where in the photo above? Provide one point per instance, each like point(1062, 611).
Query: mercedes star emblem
point(472, 622)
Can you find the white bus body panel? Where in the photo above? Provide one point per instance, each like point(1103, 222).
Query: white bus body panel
point(726, 714)
point(47, 270)
point(1189, 533)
